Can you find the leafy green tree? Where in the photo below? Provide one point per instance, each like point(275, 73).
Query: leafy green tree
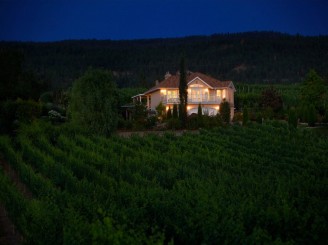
point(93, 102)
point(183, 93)
point(225, 111)
point(245, 116)
point(139, 115)
point(16, 82)
point(175, 111)
point(313, 91)
point(270, 98)
point(160, 109)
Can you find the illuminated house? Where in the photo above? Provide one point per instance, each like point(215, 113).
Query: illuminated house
point(202, 89)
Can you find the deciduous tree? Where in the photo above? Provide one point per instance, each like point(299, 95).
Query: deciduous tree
point(313, 91)
point(270, 98)
point(93, 102)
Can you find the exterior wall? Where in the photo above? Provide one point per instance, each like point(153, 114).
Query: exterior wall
point(212, 110)
point(155, 99)
point(211, 106)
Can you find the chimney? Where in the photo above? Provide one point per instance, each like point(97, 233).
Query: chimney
point(156, 82)
point(167, 75)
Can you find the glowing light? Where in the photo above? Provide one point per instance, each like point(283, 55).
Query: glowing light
point(163, 91)
point(217, 108)
point(167, 108)
point(188, 108)
point(224, 94)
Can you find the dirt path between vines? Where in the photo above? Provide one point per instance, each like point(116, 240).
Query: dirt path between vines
point(9, 235)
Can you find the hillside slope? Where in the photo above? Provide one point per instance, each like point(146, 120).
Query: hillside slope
point(261, 57)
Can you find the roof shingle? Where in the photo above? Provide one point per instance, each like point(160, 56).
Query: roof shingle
point(174, 80)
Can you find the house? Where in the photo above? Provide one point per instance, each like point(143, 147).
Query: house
point(202, 89)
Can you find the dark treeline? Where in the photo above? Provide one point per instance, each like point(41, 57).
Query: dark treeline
point(254, 57)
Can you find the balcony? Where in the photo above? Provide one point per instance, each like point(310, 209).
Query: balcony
point(203, 99)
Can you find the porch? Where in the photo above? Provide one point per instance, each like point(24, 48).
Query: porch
point(193, 99)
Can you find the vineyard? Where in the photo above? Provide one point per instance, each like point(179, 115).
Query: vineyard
point(231, 185)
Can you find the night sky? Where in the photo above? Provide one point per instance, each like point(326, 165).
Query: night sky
point(53, 20)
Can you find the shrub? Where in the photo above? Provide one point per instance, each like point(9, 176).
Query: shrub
point(292, 118)
point(27, 110)
point(311, 115)
point(7, 116)
point(160, 109)
point(174, 123)
point(245, 116)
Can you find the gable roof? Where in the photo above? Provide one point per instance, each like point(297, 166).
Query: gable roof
point(174, 80)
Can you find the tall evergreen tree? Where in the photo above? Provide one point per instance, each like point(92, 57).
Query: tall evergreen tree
point(200, 115)
point(183, 93)
point(175, 111)
point(225, 111)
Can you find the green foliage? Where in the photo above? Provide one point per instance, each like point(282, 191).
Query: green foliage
point(245, 116)
point(270, 98)
point(183, 93)
point(311, 115)
point(19, 111)
point(93, 102)
point(279, 58)
point(261, 184)
point(174, 123)
point(160, 109)
point(7, 116)
point(27, 111)
point(313, 91)
point(139, 116)
point(175, 111)
point(225, 111)
point(125, 94)
point(292, 118)
point(15, 82)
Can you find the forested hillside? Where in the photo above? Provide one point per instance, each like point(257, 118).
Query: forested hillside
point(256, 57)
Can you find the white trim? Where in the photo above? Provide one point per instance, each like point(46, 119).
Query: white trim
point(138, 95)
point(201, 80)
point(233, 86)
point(231, 83)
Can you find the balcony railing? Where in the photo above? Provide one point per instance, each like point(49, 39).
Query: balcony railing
point(205, 99)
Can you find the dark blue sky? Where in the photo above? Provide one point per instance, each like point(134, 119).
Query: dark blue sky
point(52, 20)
